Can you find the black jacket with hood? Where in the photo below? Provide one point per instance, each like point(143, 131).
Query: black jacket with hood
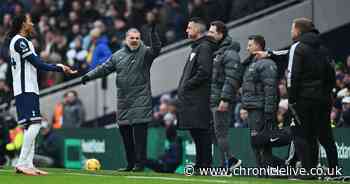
point(310, 73)
point(194, 87)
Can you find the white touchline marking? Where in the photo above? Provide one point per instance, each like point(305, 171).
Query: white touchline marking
point(67, 173)
point(142, 177)
point(86, 174)
point(176, 179)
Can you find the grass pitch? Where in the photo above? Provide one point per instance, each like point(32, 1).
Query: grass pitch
point(63, 176)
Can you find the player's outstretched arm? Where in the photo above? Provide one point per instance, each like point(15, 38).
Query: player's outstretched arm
point(67, 69)
point(36, 61)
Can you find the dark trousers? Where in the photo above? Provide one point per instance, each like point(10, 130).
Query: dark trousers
point(222, 122)
point(135, 143)
point(315, 128)
point(259, 131)
point(203, 142)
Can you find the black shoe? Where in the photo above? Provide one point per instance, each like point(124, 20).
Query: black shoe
point(127, 169)
point(138, 169)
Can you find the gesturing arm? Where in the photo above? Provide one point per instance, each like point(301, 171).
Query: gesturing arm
point(100, 71)
point(155, 45)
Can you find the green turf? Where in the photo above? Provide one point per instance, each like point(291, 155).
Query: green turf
point(61, 176)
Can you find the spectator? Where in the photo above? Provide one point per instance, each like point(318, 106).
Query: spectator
point(172, 157)
point(15, 142)
point(117, 34)
point(345, 117)
point(5, 95)
point(160, 111)
point(54, 52)
point(7, 123)
point(73, 111)
point(136, 18)
point(345, 91)
point(57, 119)
point(339, 80)
point(6, 21)
point(170, 117)
point(348, 64)
point(173, 20)
point(242, 122)
point(76, 56)
point(334, 118)
point(89, 14)
point(101, 51)
point(3, 69)
point(198, 9)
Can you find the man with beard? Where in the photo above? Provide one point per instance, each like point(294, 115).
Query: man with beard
point(226, 77)
point(132, 64)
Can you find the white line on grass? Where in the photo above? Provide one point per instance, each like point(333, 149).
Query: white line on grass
point(86, 174)
point(176, 179)
point(139, 177)
point(67, 173)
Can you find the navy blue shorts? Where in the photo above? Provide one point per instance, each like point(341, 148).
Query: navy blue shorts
point(28, 108)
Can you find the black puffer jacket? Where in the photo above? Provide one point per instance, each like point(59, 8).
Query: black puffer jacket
point(227, 72)
point(259, 86)
point(194, 87)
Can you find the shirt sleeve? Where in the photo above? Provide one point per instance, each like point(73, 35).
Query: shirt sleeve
point(39, 64)
point(22, 47)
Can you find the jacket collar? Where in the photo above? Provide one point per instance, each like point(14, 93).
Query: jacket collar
point(200, 40)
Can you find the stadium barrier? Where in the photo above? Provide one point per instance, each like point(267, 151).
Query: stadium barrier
point(106, 145)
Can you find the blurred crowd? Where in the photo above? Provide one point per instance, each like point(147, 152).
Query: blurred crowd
point(84, 33)
point(340, 115)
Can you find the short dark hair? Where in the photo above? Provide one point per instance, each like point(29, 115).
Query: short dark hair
point(220, 27)
point(197, 20)
point(303, 24)
point(259, 40)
